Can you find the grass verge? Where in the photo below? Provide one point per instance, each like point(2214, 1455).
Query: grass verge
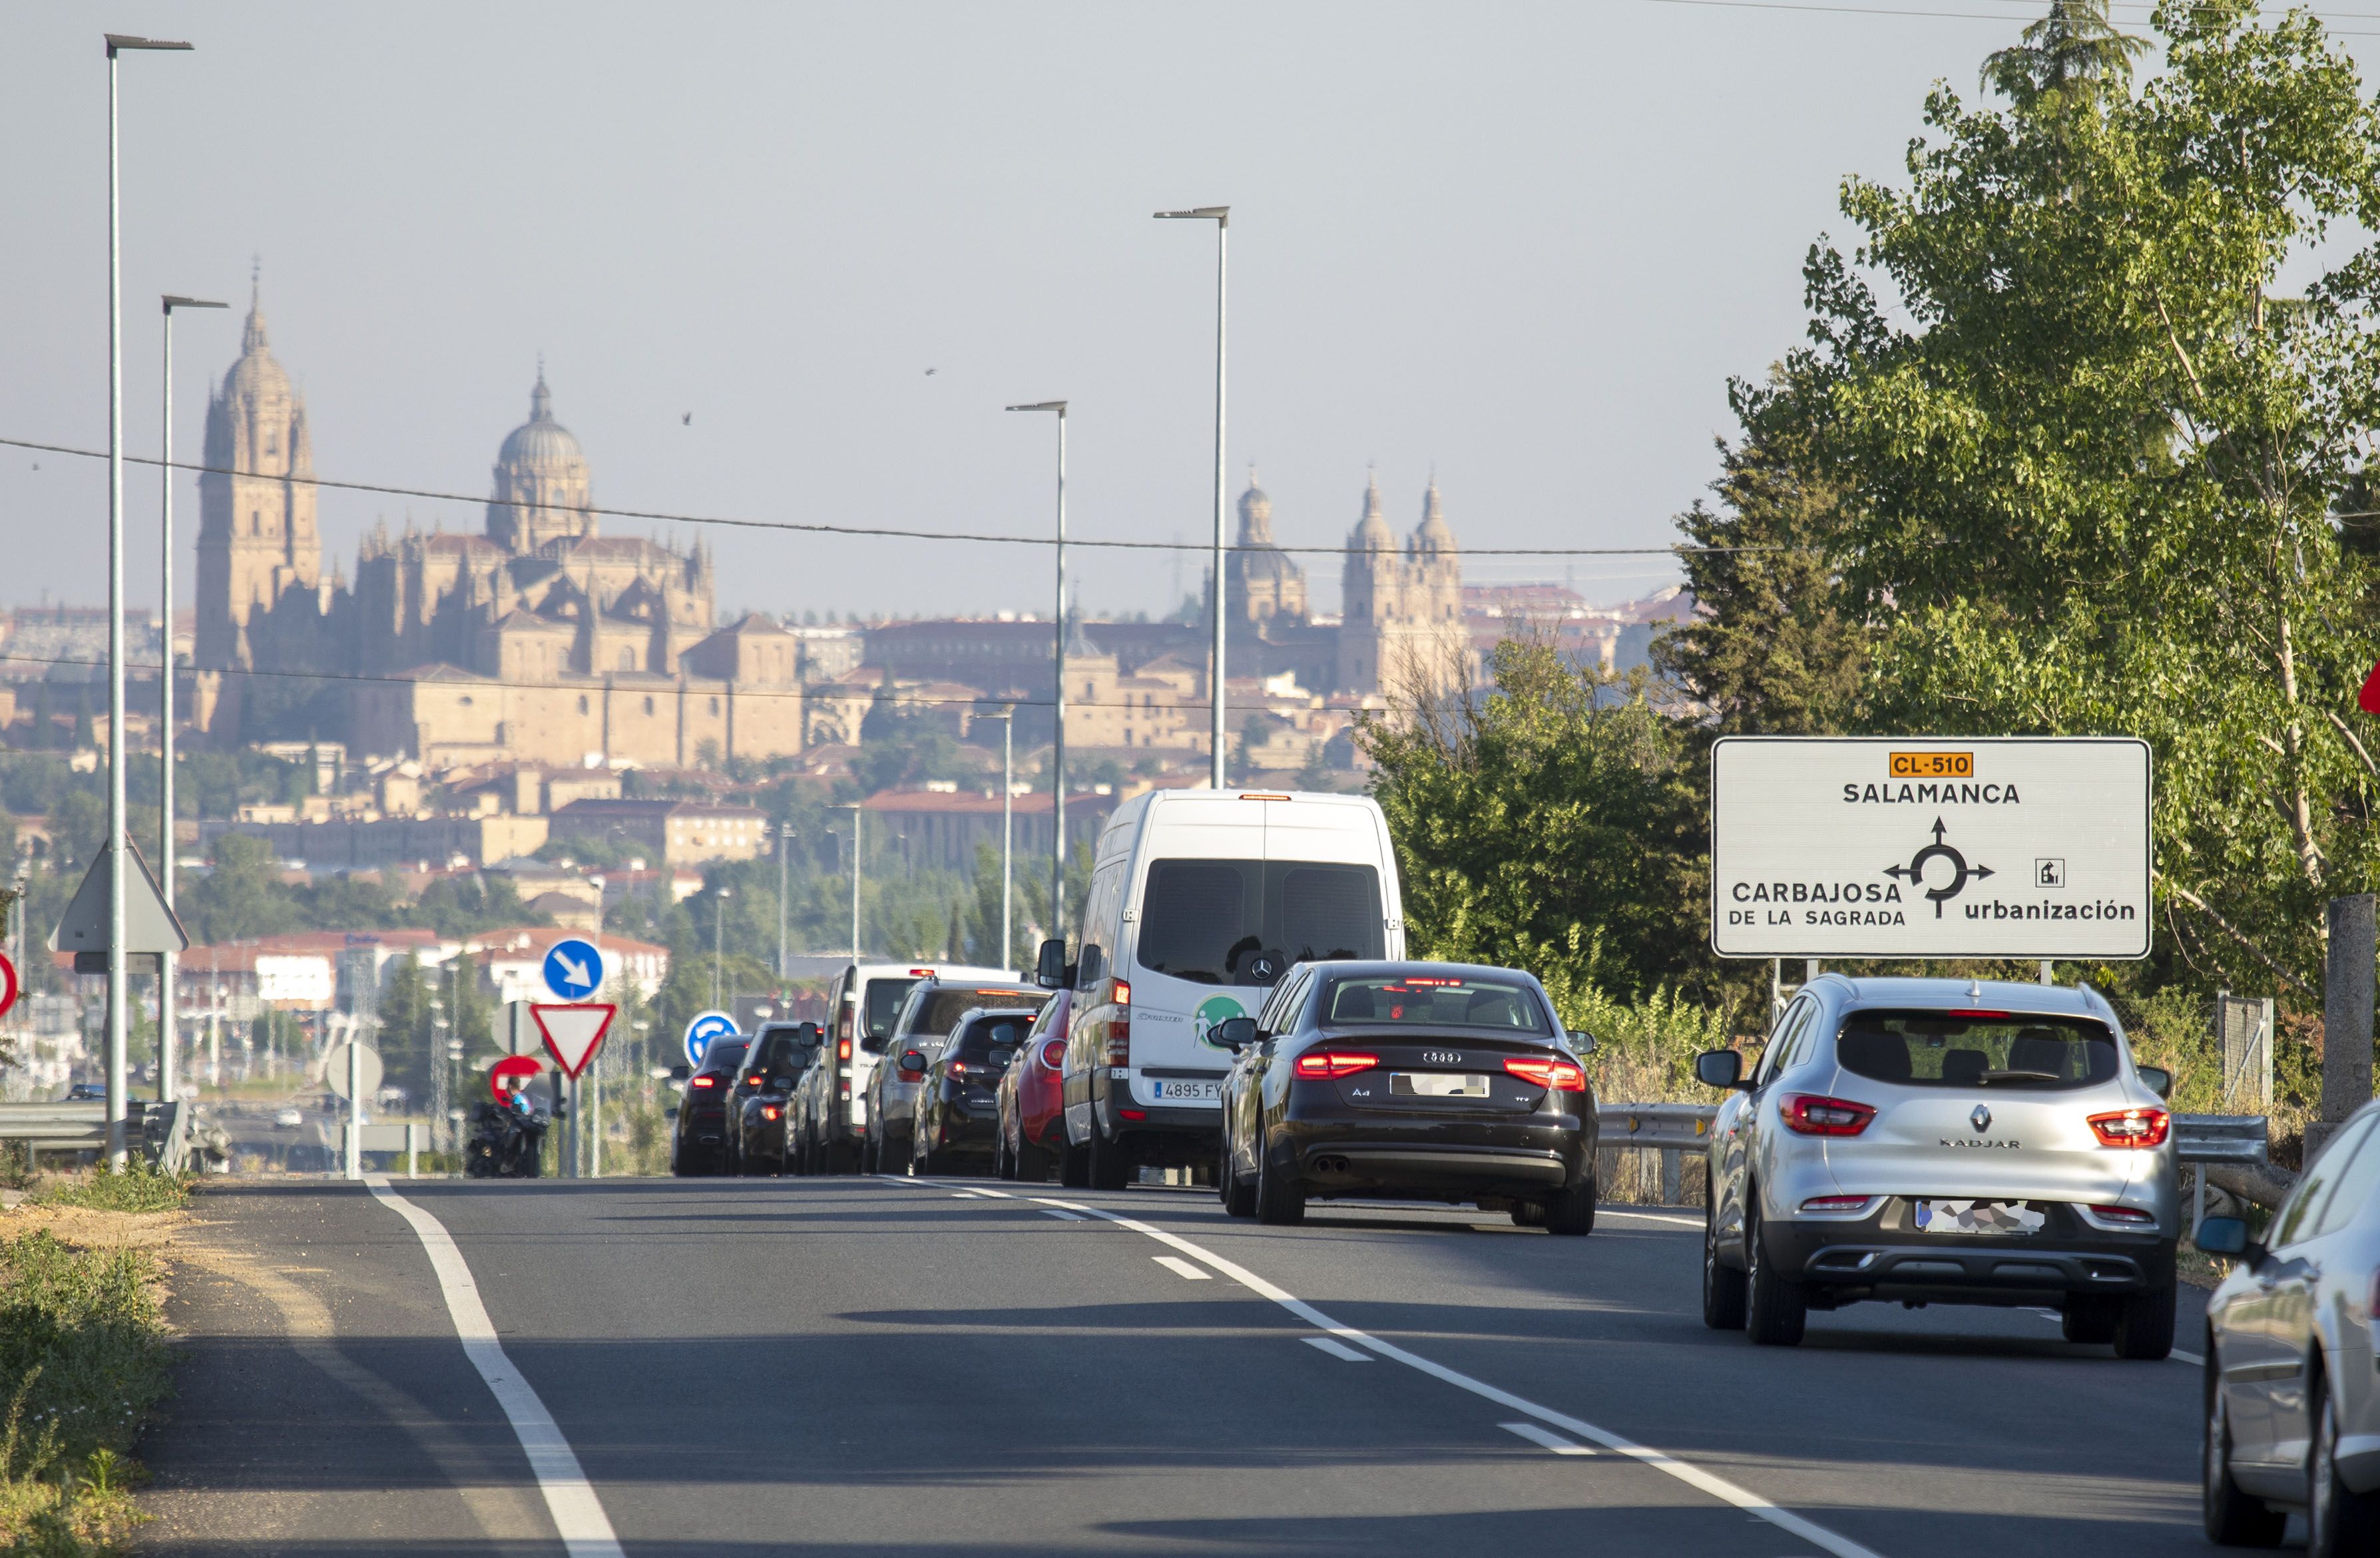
point(134, 1187)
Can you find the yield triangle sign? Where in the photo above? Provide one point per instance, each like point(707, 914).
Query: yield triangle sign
point(573, 1032)
point(149, 925)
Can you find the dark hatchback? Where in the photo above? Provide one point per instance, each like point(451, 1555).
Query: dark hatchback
point(1409, 1081)
point(958, 1107)
point(764, 1085)
point(699, 1125)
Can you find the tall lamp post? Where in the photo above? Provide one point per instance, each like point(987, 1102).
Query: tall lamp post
point(718, 940)
point(168, 1035)
point(1007, 717)
point(1222, 217)
point(1058, 679)
point(852, 807)
point(118, 825)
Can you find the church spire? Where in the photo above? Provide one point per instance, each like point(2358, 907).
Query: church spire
point(252, 337)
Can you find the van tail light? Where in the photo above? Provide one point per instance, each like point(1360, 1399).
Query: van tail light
point(1120, 1025)
point(1054, 1053)
point(2132, 1128)
point(843, 1050)
point(1837, 1203)
point(2130, 1215)
point(1560, 1076)
point(1334, 1063)
point(1813, 1114)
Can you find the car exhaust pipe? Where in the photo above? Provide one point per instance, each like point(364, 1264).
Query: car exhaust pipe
point(1331, 1164)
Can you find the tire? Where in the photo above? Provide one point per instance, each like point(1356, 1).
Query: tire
point(871, 1157)
point(748, 1166)
point(1030, 1163)
point(2091, 1318)
point(1571, 1213)
point(2232, 1518)
point(1278, 1204)
point(1777, 1309)
point(2340, 1522)
point(1109, 1168)
point(1726, 1291)
point(1003, 1166)
point(1074, 1168)
point(2144, 1325)
point(1238, 1196)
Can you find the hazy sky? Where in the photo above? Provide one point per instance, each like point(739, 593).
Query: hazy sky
point(1523, 244)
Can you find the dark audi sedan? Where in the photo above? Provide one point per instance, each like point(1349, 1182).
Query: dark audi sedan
point(1408, 1082)
point(958, 1107)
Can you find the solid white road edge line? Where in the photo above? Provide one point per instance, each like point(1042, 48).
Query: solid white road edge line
point(1684, 1471)
point(1184, 1269)
point(577, 1514)
point(1553, 1441)
point(1649, 1216)
point(1337, 1349)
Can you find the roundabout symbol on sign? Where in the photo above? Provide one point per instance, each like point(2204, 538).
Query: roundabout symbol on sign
point(1915, 872)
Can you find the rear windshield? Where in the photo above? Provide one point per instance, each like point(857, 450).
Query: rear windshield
point(993, 1039)
point(884, 997)
point(725, 1057)
point(1435, 1001)
point(786, 1049)
point(938, 1011)
point(1965, 1049)
point(1244, 922)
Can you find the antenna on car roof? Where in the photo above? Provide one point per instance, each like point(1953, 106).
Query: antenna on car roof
point(1974, 989)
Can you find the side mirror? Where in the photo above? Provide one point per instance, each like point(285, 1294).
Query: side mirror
point(1050, 967)
point(2160, 1081)
point(679, 1073)
point(2229, 1236)
point(871, 1045)
point(1236, 1032)
point(1720, 1067)
point(669, 1114)
point(1581, 1042)
point(784, 1082)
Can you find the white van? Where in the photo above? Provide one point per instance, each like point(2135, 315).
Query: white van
point(1199, 902)
point(829, 1113)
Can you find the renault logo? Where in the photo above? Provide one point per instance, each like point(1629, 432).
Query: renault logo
point(1982, 1117)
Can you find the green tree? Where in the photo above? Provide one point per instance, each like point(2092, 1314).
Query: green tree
point(2071, 50)
point(241, 896)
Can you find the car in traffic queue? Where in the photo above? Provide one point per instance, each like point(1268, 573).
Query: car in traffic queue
point(2293, 1376)
point(757, 1097)
point(1198, 903)
point(928, 1014)
point(1426, 1082)
point(956, 1118)
point(1030, 1135)
point(1942, 1141)
point(830, 1108)
point(698, 1124)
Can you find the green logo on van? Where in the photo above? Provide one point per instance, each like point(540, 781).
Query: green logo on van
point(1214, 1009)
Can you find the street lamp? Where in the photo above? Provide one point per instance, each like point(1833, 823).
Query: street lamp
point(852, 807)
point(166, 1030)
point(718, 939)
point(1007, 717)
point(1222, 217)
point(118, 825)
point(1058, 668)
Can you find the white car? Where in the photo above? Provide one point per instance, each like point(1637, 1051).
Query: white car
point(289, 1117)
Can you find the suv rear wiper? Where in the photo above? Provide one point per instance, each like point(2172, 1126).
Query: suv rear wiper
point(2015, 1076)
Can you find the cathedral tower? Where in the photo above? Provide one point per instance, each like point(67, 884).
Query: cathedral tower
point(257, 538)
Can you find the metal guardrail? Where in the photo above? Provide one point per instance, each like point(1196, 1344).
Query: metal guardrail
point(80, 1126)
point(1656, 1125)
point(2222, 1138)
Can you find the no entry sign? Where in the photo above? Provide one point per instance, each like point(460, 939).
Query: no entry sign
point(1930, 847)
point(513, 1073)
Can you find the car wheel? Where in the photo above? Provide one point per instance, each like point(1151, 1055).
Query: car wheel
point(1572, 1212)
point(871, 1153)
point(2232, 1518)
point(2144, 1324)
point(1003, 1167)
point(1239, 1196)
point(1031, 1163)
point(1109, 1167)
point(1074, 1168)
point(2339, 1521)
point(1726, 1291)
point(1278, 1202)
point(2091, 1318)
point(1777, 1309)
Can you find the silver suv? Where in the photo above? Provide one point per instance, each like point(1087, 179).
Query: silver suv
point(1937, 1141)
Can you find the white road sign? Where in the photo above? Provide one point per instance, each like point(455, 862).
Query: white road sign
point(1930, 847)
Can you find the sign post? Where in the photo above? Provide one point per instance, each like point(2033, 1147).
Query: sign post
point(353, 1070)
point(150, 927)
point(1924, 847)
point(574, 1031)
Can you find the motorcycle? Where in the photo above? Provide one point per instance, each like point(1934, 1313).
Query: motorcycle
point(504, 1144)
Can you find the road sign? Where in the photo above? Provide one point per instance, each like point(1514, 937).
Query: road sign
point(149, 925)
point(334, 1068)
point(513, 1073)
point(573, 1032)
point(574, 969)
point(8, 986)
point(1930, 847)
point(702, 1031)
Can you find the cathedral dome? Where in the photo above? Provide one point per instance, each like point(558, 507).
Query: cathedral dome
point(257, 376)
point(541, 446)
point(1256, 516)
point(542, 494)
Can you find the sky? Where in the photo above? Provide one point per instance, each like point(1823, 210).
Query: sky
point(1522, 245)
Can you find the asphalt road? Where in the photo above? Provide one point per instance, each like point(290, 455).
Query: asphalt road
point(900, 1367)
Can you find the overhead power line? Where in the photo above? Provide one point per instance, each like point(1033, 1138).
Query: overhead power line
point(2013, 16)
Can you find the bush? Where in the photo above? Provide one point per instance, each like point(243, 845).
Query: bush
point(135, 1187)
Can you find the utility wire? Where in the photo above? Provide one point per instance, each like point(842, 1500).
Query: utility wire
point(1988, 16)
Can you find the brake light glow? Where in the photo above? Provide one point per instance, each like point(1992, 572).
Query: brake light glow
point(1134, 1113)
point(1261, 796)
point(2131, 1214)
point(1120, 1025)
point(1334, 1063)
point(770, 1111)
point(1054, 1053)
point(921, 973)
point(2132, 1128)
point(1560, 1076)
point(958, 1068)
point(703, 1081)
point(2001, 1016)
point(1812, 1114)
point(843, 1050)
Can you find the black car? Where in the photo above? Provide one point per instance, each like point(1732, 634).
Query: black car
point(699, 1129)
point(780, 1051)
point(1408, 1082)
point(958, 1107)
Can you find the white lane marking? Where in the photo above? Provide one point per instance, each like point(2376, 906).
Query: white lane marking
point(1553, 1441)
point(2190, 1358)
point(1183, 1268)
point(1684, 1471)
point(1337, 1349)
point(2176, 1354)
point(1063, 1214)
point(577, 1514)
point(1649, 1216)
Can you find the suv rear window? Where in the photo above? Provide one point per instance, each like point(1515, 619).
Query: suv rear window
point(1435, 1001)
point(1964, 1049)
point(1206, 920)
point(722, 1059)
point(939, 1010)
point(992, 1038)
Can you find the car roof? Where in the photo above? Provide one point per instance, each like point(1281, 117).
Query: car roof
point(1959, 995)
point(1373, 968)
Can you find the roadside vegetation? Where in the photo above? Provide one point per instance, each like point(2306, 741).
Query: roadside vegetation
point(134, 1187)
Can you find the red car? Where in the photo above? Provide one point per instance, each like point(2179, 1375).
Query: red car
point(1032, 1134)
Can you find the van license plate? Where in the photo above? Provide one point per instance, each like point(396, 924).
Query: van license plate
point(1436, 1084)
point(1186, 1092)
point(1980, 1217)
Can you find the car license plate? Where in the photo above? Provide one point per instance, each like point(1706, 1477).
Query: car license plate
point(1979, 1217)
point(1436, 1084)
point(1186, 1092)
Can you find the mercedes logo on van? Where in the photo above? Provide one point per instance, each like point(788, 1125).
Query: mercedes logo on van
point(1263, 970)
point(1982, 1117)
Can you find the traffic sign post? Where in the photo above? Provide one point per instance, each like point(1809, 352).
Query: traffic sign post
point(704, 1029)
point(9, 986)
point(574, 969)
point(352, 1070)
point(573, 1032)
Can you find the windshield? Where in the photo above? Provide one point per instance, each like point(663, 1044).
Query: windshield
point(884, 997)
point(1976, 1049)
point(1436, 1001)
point(1244, 922)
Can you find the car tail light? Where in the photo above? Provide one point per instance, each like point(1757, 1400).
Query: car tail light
point(1837, 1203)
point(703, 1081)
point(958, 1068)
point(1134, 1113)
point(1560, 1076)
point(1813, 1114)
point(2132, 1214)
point(1054, 1053)
point(1120, 1025)
point(1334, 1063)
point(846, 1089)
point(2132, 1128)
point(770, 1111)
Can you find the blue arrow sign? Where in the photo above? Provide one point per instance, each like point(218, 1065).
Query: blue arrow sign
point(574, 969)
point(702, 1031)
